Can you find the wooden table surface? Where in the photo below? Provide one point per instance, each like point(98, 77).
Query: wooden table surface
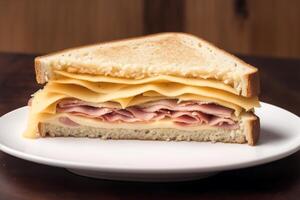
point(20, 179)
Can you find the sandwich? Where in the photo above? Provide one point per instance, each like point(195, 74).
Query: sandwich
point(167, 86)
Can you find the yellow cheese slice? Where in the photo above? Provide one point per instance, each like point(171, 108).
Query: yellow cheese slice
point(165, 89)
point(98, 87)
point(45, 101)
point(160, 78)
point(32, 126)
point(42, 101)
point(123, 101)
point(140, 99)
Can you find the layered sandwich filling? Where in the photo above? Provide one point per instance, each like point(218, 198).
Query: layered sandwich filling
point(161, 102)
point(185, 113)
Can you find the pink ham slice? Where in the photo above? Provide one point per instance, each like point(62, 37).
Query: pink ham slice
point(92, 111)
point(219, 121)
point(124, 112)
point(212, 109)
point(140, 114)
point(223, 122)
point(67, 121)
point(187, 119)
point(182, 113)
point(70, 103)
point(200, 117)
point(115, 117)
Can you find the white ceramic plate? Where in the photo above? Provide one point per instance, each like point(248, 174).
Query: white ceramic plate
point(152, 160)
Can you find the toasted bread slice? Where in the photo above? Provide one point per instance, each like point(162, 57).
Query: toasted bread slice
point(175, 54)
point(247, 133)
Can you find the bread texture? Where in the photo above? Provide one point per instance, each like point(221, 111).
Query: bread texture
point(175, 54)
point(248, 132)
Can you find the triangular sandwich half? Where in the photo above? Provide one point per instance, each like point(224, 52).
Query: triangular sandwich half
point(168, 86)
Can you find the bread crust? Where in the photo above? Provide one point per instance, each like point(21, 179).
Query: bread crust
point(252, 128)
point(39, 74)
point(251, 84)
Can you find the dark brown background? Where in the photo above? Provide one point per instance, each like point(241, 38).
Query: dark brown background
point(252, 27)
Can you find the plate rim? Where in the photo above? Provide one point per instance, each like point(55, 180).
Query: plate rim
point(83, 166)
